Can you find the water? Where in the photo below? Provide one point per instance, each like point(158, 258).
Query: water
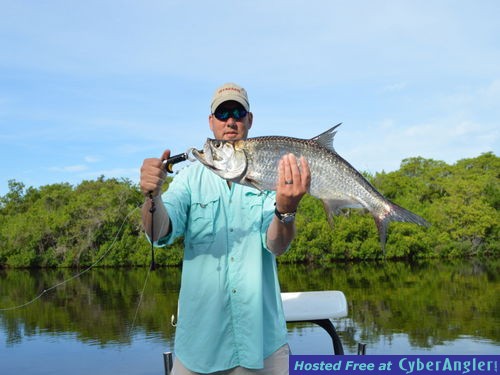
point(86, 326)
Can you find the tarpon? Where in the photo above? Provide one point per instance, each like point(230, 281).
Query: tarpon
point(254, 162)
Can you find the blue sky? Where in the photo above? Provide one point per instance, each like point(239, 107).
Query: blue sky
point(90, 88)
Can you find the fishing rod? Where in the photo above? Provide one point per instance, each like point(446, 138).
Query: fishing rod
point(167, 166)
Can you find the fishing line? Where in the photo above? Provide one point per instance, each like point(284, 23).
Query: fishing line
point(79, 273)
point(152, 266)
point(167, 166)
point(132, 326)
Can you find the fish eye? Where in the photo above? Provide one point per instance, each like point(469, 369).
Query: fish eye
point(217, 144)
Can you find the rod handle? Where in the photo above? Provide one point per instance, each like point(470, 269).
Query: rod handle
point(168, 164)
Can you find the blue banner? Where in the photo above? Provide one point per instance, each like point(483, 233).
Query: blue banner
point(394, 364)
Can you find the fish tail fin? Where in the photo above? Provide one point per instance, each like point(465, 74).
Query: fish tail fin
point(395, 213)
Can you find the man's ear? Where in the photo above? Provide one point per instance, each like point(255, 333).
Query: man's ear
point(210, 122)
point(250, 119)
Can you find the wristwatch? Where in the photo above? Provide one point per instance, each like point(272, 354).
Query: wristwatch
point(286, 218)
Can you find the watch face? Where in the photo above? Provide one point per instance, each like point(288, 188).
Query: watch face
point(286, 217)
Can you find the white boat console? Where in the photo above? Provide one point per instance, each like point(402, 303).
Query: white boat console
point(318, 308)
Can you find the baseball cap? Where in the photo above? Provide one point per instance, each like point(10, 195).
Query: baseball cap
point(230, 91)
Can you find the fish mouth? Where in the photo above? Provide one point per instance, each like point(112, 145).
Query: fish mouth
point(200, 156)
point(195, 151)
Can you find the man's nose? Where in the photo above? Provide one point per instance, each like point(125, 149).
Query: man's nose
point(231, 121)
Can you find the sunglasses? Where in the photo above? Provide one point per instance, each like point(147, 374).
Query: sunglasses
point(236, 113)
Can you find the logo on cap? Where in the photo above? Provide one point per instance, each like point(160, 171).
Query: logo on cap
point(230, 91)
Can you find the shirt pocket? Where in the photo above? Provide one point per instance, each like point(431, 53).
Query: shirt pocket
point(252, 210)
point(201, 230)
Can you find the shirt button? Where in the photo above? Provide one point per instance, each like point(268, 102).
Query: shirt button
point(234, 291)
point(231, 229)
point(232, 259)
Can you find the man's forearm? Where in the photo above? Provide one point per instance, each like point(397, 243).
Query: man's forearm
point(279, 236)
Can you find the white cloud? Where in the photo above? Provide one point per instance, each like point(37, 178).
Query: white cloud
point(69, 168)
point(91, 159)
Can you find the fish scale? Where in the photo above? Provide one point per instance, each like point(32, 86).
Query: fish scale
point(254, 162)
point(337, 179)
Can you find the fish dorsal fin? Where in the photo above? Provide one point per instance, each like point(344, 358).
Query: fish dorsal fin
point(325, 139)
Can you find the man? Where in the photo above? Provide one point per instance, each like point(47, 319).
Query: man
point(230, 312)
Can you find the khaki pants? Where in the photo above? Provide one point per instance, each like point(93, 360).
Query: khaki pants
point(275, 364)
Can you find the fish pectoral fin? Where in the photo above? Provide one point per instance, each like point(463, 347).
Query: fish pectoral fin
point(330, 213)
point(325, 139)
point(334, 207)
point(382, 224)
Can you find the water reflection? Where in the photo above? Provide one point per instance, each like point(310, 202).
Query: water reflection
point(100, 306)
point(430, 303)
point(424, 305)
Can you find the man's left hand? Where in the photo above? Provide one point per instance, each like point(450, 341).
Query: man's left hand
point(294, 180)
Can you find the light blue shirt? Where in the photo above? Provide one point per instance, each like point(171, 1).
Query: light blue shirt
point(230, 309)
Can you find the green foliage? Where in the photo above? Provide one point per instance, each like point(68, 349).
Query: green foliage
point(460, 201)
point(99, 221)
point(61, 225)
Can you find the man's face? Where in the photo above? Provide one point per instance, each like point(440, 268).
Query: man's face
point(229, 121)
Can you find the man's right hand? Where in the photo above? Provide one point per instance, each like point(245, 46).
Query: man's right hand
point(153, 175)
